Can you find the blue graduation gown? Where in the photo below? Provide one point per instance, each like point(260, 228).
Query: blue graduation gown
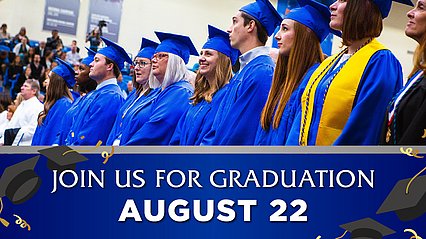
point(279, 136)
point(45, 133)
point(166, 110)
point(135, 117)
point(197, 121)
point(381, 79)
point(239, 113)
point(67, 120)
point(96, 116)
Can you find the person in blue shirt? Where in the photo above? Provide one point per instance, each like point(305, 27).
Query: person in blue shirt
point(215, 71)
point(85, 85)
point(130, 117)
point(239, 113)
point(58, 100)
point(299, 38)
point(345, 99)
point(97, 113)
point(168, 67)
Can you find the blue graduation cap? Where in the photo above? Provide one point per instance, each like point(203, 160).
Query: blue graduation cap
point(66, 71)
point(176, 44)
point(265, 13)
point(315, 16)
point(115, 52)
point(147, 48)
point(385, 5)
point(219, 41)
point(90, 56)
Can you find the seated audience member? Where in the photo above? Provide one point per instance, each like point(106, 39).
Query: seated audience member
point(24, 121)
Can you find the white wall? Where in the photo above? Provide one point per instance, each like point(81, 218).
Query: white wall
point(189, 17)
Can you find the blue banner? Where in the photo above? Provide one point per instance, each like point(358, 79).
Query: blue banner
point(211, 195)
point(105, 14)
point(61, 15)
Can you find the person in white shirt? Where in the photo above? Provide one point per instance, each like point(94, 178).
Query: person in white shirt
point(73, 57)
point(25, 116)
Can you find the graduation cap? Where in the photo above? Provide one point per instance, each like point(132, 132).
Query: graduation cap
point(62, 158)
point(367, 228)
point(115, 52)
point(385, 5)
point(219, 41)
point(147, 48)
point(179, 45)
point(19, 182)
point(406, 206)
point(265, 13)
point(315, 16)
point(90, 56)
point(66, 71)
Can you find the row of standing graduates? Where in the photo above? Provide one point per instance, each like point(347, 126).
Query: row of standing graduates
point(308, 103)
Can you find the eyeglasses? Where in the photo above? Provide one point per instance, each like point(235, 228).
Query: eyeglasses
point(160, 56)
point(141, 64)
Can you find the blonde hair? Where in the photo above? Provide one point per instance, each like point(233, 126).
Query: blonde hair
point(205, 89)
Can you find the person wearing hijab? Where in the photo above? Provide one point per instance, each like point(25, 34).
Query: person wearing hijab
point(85, 85)
point(299, 38)
point(215, 71)
point(239, 113)
point(139, 102)
point(406, 117)
point(97, 113)
point(168, 67)
point(58, 100)
point(345, 100)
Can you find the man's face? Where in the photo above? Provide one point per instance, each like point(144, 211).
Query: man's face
point(237, 31)
point(27, 92)
point(99, 68)
point(36, 58)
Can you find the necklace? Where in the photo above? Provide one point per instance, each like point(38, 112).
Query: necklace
point(320, 76)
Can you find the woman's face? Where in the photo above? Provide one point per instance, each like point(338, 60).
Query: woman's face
point(285, 37)
point(159, 65)
point(142, 69)
point(336, 19)
point(416, 26)
point(208, 62)
point(82, 73)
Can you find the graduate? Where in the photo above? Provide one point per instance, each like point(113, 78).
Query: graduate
point(406, 117)
point(238, 116)
point(345, 100)
point(130, 118)
point(85, 85)
point(215, 71)
point(58, 100)
point(168, 67)
point(299, 38)
point(97, 112)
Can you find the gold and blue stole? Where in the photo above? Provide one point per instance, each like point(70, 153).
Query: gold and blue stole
point(340, 97)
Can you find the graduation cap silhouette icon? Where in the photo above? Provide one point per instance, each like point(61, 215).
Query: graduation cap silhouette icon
point(19, 182)
point(62, 158)
point(407, 206)
point(367, 228)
